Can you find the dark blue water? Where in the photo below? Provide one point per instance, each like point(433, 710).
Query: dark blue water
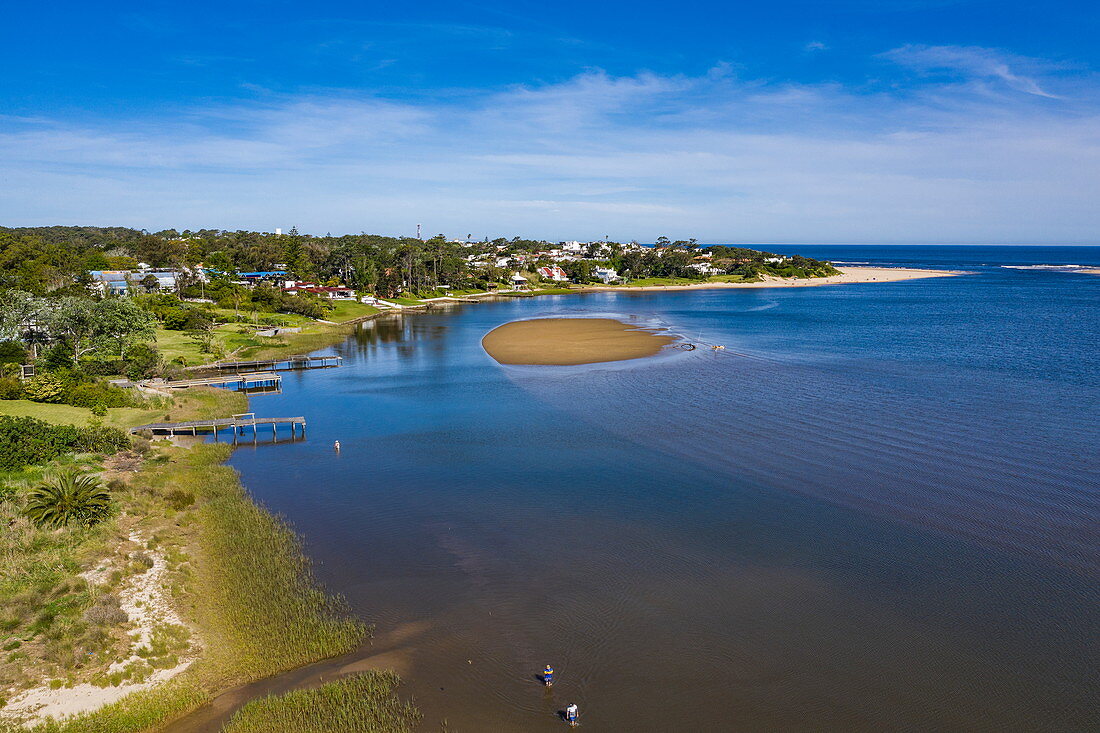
point(876, 509)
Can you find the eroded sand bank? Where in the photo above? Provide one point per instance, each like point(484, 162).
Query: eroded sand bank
point(567, 341)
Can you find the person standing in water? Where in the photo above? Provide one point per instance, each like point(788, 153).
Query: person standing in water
point(548, 676)
point(571, 714)
point(336, 446)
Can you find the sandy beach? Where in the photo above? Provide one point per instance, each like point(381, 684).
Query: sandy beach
point(568, 341)
point(849, 275)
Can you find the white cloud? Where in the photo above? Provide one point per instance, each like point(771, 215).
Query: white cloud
point(971, 61)
point(713, 156)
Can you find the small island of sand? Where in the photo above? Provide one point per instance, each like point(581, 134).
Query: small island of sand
point(568, 341)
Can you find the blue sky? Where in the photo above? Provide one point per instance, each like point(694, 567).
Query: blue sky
point(797, 121)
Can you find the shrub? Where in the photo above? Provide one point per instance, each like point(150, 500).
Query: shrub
point(67, 498)
point(25, 441)
point(106, 612)
point(44, 388)
point(100, 439)
point(11, 388)
point(90, 394)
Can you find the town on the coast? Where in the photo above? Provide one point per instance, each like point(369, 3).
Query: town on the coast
point(127, 359)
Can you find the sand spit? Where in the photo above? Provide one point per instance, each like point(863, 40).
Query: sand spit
point(849, 275)
point(568, 341)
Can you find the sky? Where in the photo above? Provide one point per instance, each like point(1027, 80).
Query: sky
point(790, 121)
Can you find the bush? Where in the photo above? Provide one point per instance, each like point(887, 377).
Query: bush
point(106, 612)
point(100, 439)
point(44, 388)
point(25, 441)
point(91, 394)
point(11, 388)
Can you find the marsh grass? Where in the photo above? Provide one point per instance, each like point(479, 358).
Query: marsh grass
point(364, 703)
point(260, 607)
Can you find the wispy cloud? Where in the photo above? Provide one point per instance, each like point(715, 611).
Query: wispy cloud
point(972, 62)
point(713, 156)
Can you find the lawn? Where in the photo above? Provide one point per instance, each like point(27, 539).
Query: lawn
point(119, 417)
point(349, 310)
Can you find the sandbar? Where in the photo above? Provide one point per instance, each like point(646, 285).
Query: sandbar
point(570, 341)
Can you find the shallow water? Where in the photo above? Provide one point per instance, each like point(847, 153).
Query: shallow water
point(877, 509)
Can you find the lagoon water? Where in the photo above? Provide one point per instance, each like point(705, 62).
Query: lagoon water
point(877, 509)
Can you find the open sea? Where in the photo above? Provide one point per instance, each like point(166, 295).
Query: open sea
point(877, 509)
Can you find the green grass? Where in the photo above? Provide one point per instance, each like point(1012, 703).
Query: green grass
point(540, 291)
point(657, 281)
point(348, 310)
point(364, 703)
point(405, 301)
point(119, 417)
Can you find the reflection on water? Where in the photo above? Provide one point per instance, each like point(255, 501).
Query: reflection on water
point(883, 517)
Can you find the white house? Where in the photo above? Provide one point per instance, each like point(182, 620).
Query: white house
point(705, 268)
point(519, 282)
point(605, 274)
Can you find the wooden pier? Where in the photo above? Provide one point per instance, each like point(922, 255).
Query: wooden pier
point(237, 423)
point(268, 381)
point(300, 361)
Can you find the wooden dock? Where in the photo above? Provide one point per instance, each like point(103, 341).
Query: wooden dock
point(299, 361)
point(251, 380)
point(237, 423)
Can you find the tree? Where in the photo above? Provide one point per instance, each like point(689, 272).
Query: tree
point(68, 497)
point(120, 321)
point(75, 320)
point(150, 283)
point(18, 309)
point(663, 241)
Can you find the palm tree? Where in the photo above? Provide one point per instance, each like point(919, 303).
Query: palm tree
point(68, 497)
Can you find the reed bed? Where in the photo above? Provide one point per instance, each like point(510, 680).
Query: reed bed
point(364, 703)
point(260, 607)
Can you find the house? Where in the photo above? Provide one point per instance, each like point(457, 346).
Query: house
point(166, 279)
point(605, 274)
point(256, 277)
point(704, 268)
point(519, 282)
point(111, 282)
point(330, 292)
point(553, 272)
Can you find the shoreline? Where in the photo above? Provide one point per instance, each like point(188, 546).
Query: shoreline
point(848, 276)
point(190, 695)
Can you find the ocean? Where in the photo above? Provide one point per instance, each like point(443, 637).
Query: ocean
point(877, 508)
